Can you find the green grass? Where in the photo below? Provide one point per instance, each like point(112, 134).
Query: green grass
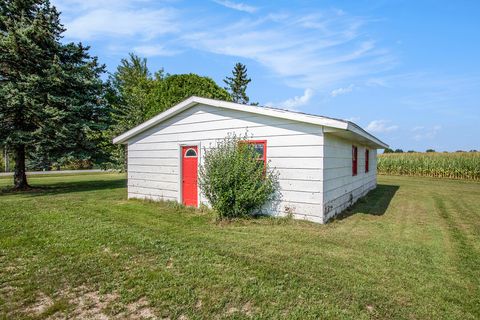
point(77, 248)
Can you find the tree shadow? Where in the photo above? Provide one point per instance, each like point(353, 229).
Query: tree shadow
point(375, 203)
point(67, 187)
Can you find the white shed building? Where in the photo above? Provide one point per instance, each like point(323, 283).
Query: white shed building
point(324, 164)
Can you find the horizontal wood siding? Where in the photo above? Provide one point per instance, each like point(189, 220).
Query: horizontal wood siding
point(341, 188)
point(295, 149)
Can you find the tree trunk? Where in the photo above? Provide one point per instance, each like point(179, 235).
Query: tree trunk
point(7, 160)
point(20, 177)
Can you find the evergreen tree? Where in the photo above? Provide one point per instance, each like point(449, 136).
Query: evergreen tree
point(50, 93)
point(237, 84)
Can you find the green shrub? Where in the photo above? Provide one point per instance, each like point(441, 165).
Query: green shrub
point(234, 181)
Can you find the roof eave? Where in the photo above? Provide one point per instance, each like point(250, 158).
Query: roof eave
point(124, 137)
point(352, 127)
point(317, 120)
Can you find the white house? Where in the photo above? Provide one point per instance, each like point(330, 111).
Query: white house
point(324, 164)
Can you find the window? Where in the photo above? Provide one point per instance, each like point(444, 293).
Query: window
point(354, 160)
point(367, 160)
point(190, 153)
point(260, 147)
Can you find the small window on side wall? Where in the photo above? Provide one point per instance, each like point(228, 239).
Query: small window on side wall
point(367, 160)
point(260, 147)
point(354, 160)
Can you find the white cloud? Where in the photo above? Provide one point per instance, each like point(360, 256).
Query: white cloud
point(154, 50)
point(340, 91)
point(115, 22)
point(320, 50)
point(418, 128)
point(237, 6)
point(307, 51)
point(381, 126)
point(295, 102)
point(423, 133)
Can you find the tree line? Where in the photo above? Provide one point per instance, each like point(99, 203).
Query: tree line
point(56, 109)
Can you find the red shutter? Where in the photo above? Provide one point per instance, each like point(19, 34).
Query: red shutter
point(354, 160)
point(367, 159)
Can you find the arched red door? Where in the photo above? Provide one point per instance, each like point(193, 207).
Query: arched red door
point(190, 175)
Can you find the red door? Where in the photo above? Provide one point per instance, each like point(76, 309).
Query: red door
point(189, 175)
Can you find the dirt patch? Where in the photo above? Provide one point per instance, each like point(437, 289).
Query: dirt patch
point(247, 309)
point(85, 303)
point(7, 291)
point(169, 263)
point(91, 304)
point(42, 304)
point(232, 310)
point(139, 310)
point(108, 251)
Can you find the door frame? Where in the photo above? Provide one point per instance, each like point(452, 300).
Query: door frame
point(180, 169)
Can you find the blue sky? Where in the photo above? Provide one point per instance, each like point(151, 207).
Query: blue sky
point(407, 71)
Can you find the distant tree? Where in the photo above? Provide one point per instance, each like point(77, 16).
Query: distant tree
point(473, 150)
point(430, 150)
point(237, 84)
point(172, 89)
point(50, 92)
point(388, 150)
point(460, 151)
point(411, 151)
point(398, 151)
point(134, 96)
point(129, 95)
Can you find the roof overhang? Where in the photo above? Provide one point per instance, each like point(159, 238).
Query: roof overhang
point(335, 126)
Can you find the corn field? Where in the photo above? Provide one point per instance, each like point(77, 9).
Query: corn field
point(456, 165)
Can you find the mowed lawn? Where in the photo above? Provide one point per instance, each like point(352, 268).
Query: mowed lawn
point(77, 248)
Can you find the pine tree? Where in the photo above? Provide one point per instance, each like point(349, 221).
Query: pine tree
point(50, 93)
point(237, 84)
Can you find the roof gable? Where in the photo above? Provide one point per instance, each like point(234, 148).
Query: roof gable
point(272, 112)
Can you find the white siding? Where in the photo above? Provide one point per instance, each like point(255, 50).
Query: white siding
point(294, 148)
point(341, 188)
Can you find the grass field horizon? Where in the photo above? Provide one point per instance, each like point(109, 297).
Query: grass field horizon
point(77, 248)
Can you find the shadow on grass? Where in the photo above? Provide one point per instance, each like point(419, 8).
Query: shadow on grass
point(375, 203)
point(67, 187)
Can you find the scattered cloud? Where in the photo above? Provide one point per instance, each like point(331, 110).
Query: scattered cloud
point(237, 6)
point(321, 50)
point(381, 126)
point(317, 51)
point(418, 128)
point(423, 133)
point(154, 50)
point(340, 91)
point(295, 102)
point(143, 23)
